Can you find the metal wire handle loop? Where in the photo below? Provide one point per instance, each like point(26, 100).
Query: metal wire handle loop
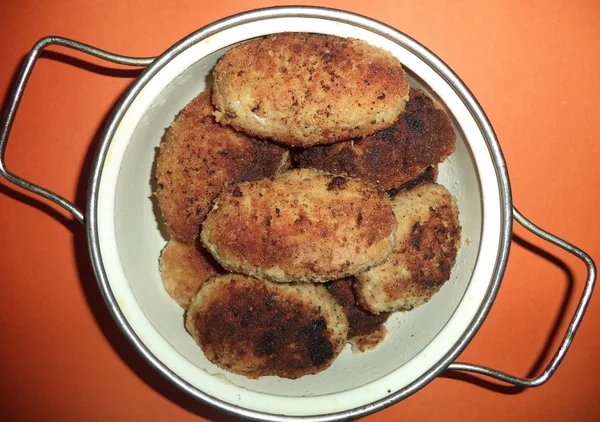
point(15, 99)
point(573, 326)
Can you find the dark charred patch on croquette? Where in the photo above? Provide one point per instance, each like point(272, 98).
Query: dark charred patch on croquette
point(428, 176)
point(337, 183)
point(422, 136)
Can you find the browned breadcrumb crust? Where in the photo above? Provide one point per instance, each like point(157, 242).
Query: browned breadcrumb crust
point(369, 341)
point(257, 328)
point(361, 322)
point(429, 252)
point(197, 157)
point(421, 137)
point(300, 225)
point(428, 236)
point(184, 269)
point(305, 89)
point(428, 176)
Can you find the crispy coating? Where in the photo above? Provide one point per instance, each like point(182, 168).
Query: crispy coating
point(366, 329)
point(427, 241)
point(428, 176)
point(305, 89)
point(197, 157)
point(184, 268)
point(301, 225)
point(256, 328)
point(421, 137)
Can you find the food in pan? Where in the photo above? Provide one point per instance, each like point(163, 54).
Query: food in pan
point(319, 255)
point(305, 89)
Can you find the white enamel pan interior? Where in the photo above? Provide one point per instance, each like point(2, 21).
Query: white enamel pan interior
point(126, 238)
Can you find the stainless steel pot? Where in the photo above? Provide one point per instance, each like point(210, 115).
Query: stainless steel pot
point(124, 240)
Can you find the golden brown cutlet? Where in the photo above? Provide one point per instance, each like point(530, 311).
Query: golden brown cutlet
point(256, 328)
point(300, 225)
point(197, 157)
point(427, 240)
point(305, 89)
point(184, 269)
point(421, 137)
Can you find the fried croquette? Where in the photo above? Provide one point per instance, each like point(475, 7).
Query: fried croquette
point(366, 330)
point(305, 89)
point(421, 137)
point(257, 328)
point(427, 240)
point(300, 225)
point(197, 157)
point(183, 270)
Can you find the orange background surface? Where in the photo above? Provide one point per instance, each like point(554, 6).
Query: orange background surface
point(534, 67)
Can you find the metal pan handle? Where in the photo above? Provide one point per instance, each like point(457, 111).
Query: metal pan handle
point(15, 99)
point(573, 326)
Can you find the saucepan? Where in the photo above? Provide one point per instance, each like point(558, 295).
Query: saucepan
point(125, 239)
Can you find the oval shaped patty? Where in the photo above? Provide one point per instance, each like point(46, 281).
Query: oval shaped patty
point(427, 241)
point(421, 137)
point(197, 157)
point(305, 89)
point(256, 328)
point(301, 225)
point(183, 270)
